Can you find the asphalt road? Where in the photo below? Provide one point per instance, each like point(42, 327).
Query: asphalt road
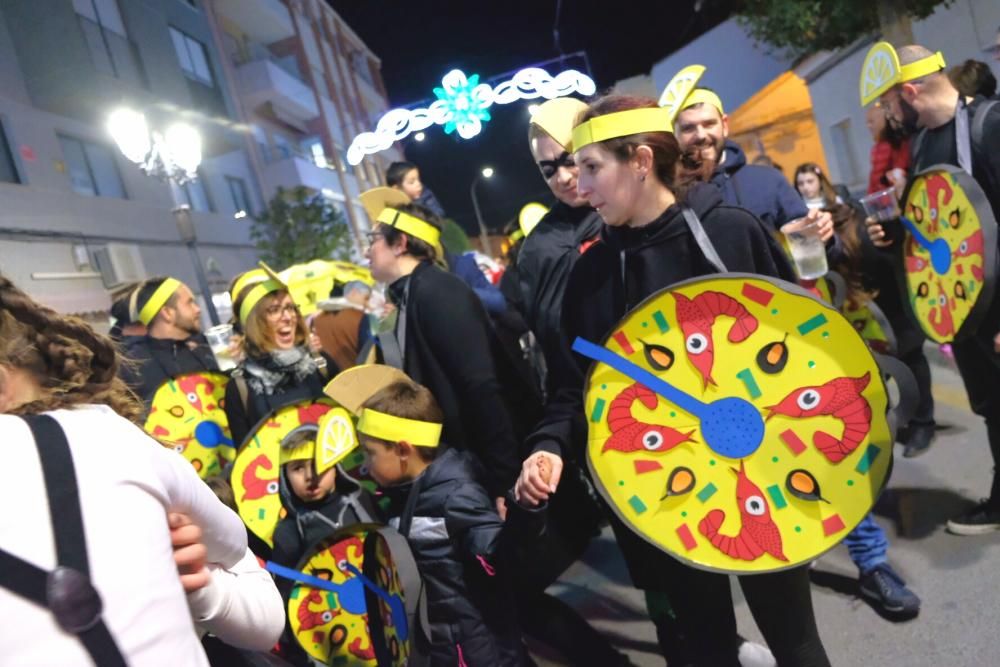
point(957, 577)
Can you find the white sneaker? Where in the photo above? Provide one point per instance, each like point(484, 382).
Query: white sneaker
point(755, 655)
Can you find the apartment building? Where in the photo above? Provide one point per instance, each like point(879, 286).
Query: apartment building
point(306, 84)
point(78, 218)
point(276, 89)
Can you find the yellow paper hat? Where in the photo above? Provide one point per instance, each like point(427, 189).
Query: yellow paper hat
point(325, 443)
point(251, 277)
point(154, 305)
point(558, 117)
point(881, 71)
point(272, 284)
point(356, 385)
point(377, 199)
point(414, 226)
point(529, 217)
point(682, 92)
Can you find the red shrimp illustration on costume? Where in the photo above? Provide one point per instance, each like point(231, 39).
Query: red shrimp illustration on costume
point(357, 651)
point(631, 435)
point(940, 315)
point(311, 413)
point(696, 318)
point(313, 618)
point(189, 386)
point(936, 184)
point(840, 398)
point(758, 534)
point(972, 246)
point(346, 551)
point(255, 487)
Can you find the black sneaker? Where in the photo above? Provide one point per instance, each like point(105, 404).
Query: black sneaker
point(888, 591)
point(918, 440)
point(981, 519)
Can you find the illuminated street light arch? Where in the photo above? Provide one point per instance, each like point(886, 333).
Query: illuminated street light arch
point(463, 103)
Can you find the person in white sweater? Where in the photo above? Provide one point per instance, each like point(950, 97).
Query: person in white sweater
point(126, 481)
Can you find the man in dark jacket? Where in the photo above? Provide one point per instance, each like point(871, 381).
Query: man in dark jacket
point(173, 344)
point(948, 121)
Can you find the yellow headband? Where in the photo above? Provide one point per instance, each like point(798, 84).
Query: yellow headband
point(397, 429)
point(620, 124)
point(703, 96)
point(158, 300)
point(258, 292)
point(413, 226)
point(881, 71)
point(249, 278)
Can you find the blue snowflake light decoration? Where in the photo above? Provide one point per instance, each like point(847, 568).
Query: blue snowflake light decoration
point(465, 105)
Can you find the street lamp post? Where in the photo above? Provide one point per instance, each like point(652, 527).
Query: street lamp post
point(484, 237)
point(172, 156)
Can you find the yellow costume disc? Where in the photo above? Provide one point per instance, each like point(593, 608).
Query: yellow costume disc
point(188, 414)
point(332, 623)
point(737, 423)
point(949, 252)
point(872, 324)
point(257, 469)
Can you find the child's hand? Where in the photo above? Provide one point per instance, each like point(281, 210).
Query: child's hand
point(501, 504)
point(877, 233)
point(189, 552)
point(825, 222)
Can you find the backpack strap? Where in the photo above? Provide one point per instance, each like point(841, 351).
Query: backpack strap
point(979, 123)
point(701, 238)
point(243, 390)
point(66, 591)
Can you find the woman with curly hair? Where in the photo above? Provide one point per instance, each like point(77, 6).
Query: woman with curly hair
point(97, 578)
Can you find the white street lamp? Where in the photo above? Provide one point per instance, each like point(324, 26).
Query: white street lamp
point(487, 172)
point(172, 156)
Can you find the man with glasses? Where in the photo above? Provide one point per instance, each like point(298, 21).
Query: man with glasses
point(173, 344)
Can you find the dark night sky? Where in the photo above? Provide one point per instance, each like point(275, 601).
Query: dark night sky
point(419, 42)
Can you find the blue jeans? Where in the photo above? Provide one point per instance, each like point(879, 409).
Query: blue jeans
point(867, 544)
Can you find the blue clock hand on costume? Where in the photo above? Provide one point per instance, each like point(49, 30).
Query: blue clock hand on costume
point(731, 427)
point(938, 248)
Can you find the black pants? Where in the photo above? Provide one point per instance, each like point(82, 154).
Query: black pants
point(781, 604)
point(573, 520)
point(916, 361)
point(979, 366)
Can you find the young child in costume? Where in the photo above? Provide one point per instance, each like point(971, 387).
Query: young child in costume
point(450, 521)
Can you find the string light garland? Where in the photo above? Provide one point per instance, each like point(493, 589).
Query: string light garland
point(463, 103)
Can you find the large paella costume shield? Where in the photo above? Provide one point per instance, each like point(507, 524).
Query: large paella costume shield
point(738, 423)
point(949, 253)
point(350, 608)
point(256, 471)
point(188, 414)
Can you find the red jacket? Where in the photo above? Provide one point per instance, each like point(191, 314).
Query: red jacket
point(885, 158)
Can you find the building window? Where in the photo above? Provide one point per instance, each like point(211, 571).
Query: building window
point(107, 41)
point(194, 194)
point(192, 57)
point(241, 200)
point(8, 170)
point(843, 148)
point(92, 169)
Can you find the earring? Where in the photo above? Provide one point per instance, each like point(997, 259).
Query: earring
point(642, 178)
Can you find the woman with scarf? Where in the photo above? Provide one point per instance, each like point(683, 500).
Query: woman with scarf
point(277, 368)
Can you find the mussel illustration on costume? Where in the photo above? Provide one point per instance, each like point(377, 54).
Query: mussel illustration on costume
point(758, 459)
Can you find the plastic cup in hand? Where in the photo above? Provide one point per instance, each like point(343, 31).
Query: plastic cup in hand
point(881, 205)
point(220, 339)
point(807, 248)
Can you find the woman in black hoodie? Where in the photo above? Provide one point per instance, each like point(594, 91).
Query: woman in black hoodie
point(628, 172)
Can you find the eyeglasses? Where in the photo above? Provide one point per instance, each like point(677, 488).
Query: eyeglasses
point(374, 236)
point(551, 167)
point(275, 312)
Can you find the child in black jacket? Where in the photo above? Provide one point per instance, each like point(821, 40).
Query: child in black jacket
point(458, 540)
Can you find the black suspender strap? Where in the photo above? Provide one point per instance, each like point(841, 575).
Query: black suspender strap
point(66, 591)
